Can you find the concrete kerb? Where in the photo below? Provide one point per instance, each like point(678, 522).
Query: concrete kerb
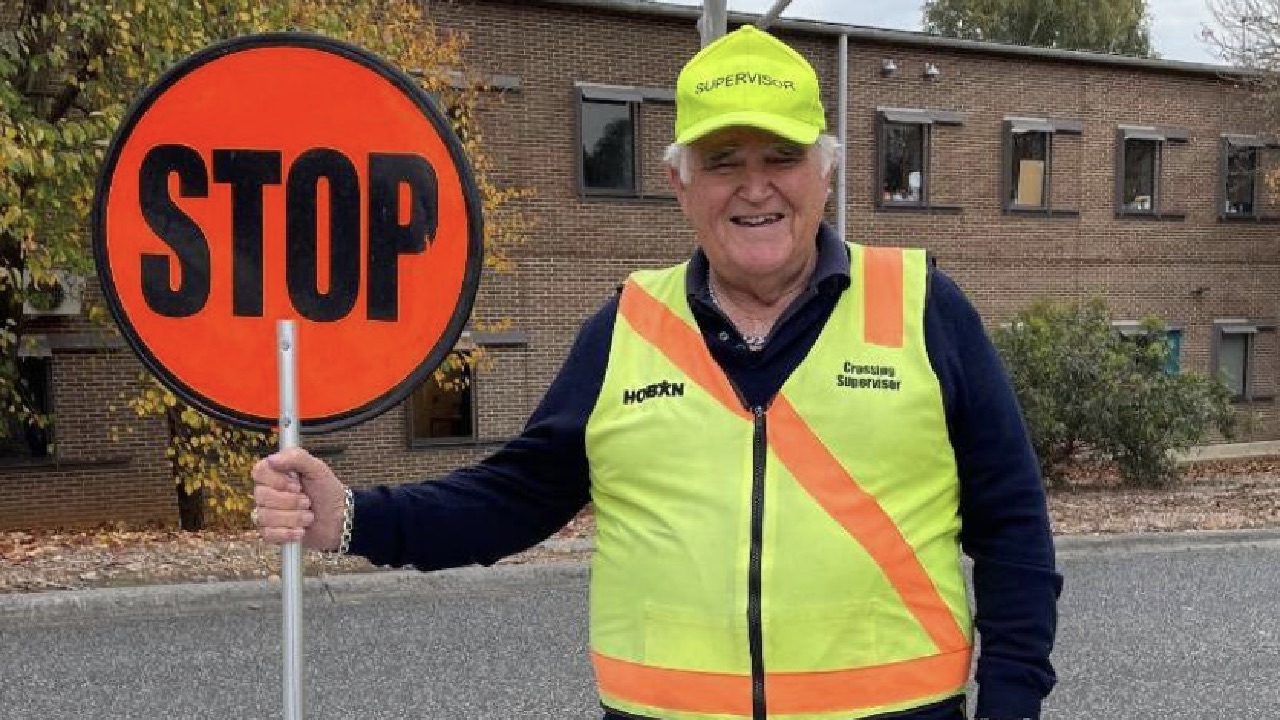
point(72, 605)
point(1074, 547)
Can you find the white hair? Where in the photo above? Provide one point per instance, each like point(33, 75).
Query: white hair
point(680, 157)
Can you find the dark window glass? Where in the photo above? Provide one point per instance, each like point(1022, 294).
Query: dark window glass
point(1030, 169)
point(1233, 362)
point(1242, 168)
point(903, 163)
point(1173, 361)
point(23, 440)
point(1140, 175)
point(443, 408)
point(608, 146)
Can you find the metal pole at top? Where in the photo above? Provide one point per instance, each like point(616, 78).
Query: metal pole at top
point(842, 114)
point(773, 14)
point(714, 22)
point(290, 553)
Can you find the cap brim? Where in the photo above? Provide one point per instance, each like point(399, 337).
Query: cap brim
point(793, 130)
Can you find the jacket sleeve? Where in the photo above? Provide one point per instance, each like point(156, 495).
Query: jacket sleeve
point(510, 501)
point(1005, 522)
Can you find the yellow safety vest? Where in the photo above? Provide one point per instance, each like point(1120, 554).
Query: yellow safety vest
point(796, 562)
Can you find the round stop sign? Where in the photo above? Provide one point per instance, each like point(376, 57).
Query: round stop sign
point(288, 176)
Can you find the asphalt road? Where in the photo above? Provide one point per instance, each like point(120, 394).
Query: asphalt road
point(1170, 634)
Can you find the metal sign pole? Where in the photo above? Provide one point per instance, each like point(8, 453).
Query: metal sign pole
point(714, 20)
point(773, 14)
point(290, 553)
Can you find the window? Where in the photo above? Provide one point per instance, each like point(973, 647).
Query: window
point(1173, 361)
point(608, 147)
point(611, 139)
point(1140, 160)
point(904, 140)
point(903, 174)
point(1029, 148)
point(1171, 336)
point(1139, 157)
point(1242, 169)
point(1236, 353)
point(1030, 186)
point(29, 441)
point(442, 409)
point(1233, 362)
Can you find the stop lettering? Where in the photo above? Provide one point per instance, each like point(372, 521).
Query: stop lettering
point(288, 176)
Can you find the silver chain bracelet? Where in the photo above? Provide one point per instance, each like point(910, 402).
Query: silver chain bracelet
point(348, 515)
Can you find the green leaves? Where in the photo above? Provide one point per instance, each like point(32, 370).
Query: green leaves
point(1086, 390)
point(67, 76)
point(1119, 27)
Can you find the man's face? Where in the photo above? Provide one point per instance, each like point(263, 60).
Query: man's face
point(755, 200)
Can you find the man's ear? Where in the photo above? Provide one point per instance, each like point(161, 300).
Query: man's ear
point(678, 186)
point(673, 177)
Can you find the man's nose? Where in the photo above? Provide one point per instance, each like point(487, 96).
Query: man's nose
point(757, 185)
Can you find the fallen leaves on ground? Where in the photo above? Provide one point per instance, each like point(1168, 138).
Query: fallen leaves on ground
point(1220, 495)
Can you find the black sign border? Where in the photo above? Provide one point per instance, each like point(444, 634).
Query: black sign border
point(471, 195)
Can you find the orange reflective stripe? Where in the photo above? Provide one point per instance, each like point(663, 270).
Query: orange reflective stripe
point(882, 293)
point(786, 693)
point(685, 690)
point(683, 345)
point(838, 492)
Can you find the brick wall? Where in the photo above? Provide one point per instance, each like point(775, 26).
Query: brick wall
point(96, 478)
point(582, 248)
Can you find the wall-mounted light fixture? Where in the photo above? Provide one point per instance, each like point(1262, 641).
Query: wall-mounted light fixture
point(888, 67)
point(931, 72)
point(1200, 292)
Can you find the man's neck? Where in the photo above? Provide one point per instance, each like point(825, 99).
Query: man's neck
point(754, 306)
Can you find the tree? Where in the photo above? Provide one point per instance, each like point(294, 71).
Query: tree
point(68, 71)
point(1087, 390)
point(1247, 36)
point(1120, 27)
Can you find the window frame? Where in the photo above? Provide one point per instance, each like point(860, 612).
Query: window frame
point(1228, 142)
point(926, 119)
point(37, 348)
point(634, 98)
point(422, 443)
point(1134, 329)
point(1014, 125)
point(1162, 137)
point(1250, 328)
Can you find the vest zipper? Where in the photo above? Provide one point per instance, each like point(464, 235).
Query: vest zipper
point(755, 632)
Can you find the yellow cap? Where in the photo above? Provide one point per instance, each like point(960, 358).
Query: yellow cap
point(749, 77)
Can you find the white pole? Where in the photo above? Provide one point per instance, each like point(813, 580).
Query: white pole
point(842, 173)
point(714, 22)
point(290, 553)
point(773, 14)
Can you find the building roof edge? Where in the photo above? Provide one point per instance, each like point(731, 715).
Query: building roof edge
point(914, 38)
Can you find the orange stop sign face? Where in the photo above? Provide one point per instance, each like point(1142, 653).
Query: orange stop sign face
point(288, 176)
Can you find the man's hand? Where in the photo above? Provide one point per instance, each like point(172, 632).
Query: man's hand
point(297, 497)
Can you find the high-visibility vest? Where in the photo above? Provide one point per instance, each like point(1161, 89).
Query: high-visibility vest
point(798, 561)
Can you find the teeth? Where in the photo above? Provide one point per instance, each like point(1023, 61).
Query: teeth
point(757, 220)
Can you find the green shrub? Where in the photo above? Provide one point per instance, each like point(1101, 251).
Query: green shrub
point(1086, 390)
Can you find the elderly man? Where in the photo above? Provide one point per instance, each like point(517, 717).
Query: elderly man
point(787, 440)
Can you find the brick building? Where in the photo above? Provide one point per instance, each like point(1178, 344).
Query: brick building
point(1026, 172)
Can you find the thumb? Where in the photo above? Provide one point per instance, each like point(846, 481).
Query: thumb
point(298, 461)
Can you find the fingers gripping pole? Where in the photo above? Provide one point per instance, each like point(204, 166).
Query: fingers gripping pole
point(290, 553)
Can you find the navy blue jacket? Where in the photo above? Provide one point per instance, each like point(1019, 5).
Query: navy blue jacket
point(538, 481)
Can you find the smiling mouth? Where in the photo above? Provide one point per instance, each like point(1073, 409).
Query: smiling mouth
point(756, 220)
